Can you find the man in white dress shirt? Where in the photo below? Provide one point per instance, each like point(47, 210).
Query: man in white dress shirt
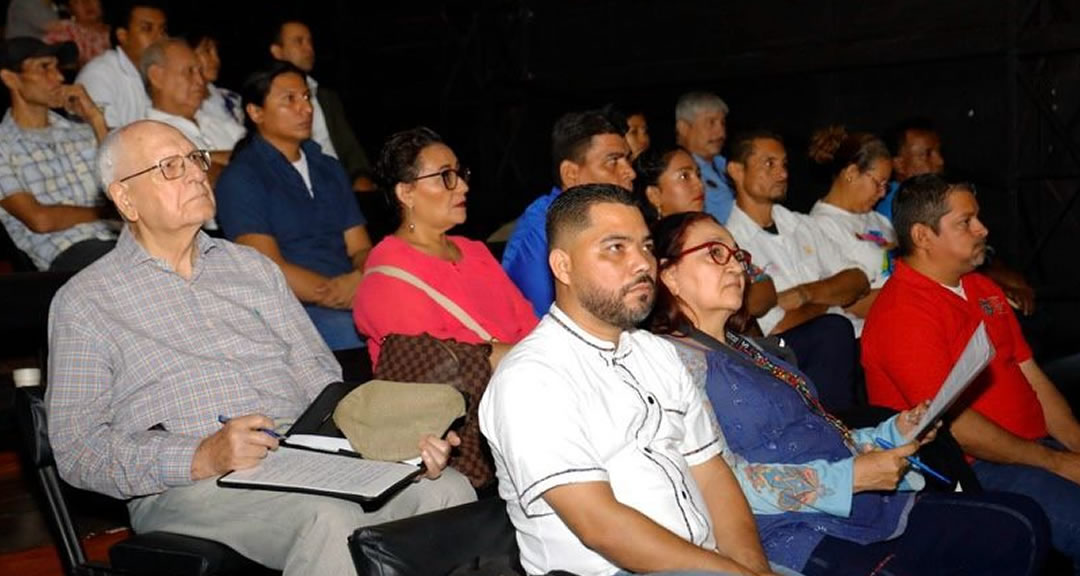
point(177, 90)
point(607, 454)
point(112, 79)
point(813, 278)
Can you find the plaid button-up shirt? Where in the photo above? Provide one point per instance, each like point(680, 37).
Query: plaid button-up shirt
point(142, 362)
point(56, 165)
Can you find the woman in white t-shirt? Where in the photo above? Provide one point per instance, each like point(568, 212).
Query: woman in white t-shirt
point(860, 166)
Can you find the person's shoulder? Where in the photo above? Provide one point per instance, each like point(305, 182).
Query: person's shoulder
point(242, 172)
point(96, 281)
point(902, 305)
point(981, 284)
point(545, 351)
point(245, 260)
point(101, 64)
point(536, 211)
point(390, 251)
point(472, 249)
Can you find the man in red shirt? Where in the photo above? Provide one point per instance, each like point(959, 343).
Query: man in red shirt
point(1013, 422)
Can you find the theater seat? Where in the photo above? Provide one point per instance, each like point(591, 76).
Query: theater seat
point(475, 538)
point(155, 553)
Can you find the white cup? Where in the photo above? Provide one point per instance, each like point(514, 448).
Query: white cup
point(27, 377)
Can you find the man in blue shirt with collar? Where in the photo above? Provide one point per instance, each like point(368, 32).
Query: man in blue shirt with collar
point(701, 128)
point(281, 195)
point(586, 148)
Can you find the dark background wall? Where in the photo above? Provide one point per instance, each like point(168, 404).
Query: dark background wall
point(999, 77)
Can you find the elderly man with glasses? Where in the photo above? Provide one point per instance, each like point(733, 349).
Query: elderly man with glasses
point(153, 343)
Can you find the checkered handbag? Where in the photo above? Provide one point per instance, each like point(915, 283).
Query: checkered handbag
point(424, 358)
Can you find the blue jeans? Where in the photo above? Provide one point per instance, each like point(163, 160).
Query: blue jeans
point(335, 326)
point(947, 534)
point(1058, 497)
point(778, 569)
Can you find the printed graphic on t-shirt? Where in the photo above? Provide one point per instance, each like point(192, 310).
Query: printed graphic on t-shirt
point(878, 238)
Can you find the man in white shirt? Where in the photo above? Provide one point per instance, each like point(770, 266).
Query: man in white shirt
point(812, 277)
point(607, 454)
point(330, 128)
point(112, 79)
point(177, 89)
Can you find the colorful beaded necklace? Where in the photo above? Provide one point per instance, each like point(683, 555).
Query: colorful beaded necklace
point(797, 382)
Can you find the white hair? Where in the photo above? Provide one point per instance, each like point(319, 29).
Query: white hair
point(106, 159)
point(693, 103)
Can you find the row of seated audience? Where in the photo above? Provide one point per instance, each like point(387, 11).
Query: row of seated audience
point(697, 448)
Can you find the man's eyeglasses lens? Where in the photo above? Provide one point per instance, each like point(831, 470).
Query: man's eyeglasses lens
point(174, 167)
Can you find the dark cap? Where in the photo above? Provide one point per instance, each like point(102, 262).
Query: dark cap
point(16, 50)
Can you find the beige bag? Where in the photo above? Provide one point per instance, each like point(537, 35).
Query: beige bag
point(385, 420)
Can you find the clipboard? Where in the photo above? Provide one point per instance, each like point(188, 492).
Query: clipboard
point(336, 473)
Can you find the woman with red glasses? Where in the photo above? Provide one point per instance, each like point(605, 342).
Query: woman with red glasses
point(826, 501)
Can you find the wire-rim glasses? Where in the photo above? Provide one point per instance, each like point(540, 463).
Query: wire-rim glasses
point(173, 167)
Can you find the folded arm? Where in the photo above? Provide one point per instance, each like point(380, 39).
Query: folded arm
point(45, 218)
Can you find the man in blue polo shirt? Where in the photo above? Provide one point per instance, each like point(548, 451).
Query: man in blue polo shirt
point(701, 128)
point(586, 148)
point(281, 195)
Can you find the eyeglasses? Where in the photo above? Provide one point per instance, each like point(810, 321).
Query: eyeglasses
point(450, 176)
point(173, 167)
point(879, 184)
point(720, 253)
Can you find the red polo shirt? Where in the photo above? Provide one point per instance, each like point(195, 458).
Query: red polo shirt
point(917, 329)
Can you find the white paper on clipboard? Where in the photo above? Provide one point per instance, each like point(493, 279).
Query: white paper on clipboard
point(976, 355)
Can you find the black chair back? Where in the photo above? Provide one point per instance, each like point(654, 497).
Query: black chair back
point(455, 540)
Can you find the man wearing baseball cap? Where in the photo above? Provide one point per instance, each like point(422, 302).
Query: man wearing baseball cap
point(53, 208)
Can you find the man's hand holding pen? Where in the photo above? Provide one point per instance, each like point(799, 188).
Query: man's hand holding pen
point(242, 442)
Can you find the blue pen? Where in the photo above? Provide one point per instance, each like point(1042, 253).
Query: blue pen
point(221, 418)
point(915, 462)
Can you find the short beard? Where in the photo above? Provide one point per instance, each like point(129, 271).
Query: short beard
point(610, 308)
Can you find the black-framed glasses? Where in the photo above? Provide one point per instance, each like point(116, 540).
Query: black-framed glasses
point(720, 253)
point(173, 167)
point(450, 176)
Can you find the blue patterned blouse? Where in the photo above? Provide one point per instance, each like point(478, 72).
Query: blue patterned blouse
point(793, 465)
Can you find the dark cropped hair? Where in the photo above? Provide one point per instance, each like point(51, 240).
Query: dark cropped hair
point(742, 146)
point(256, 88)
point(195, 35)
point(896, 137)
point(119, 16)
point(669, 237)
point(572, 133)
point(836, 149)
point(569, 212)
point(281, 19)
point(649, 166)
point(399, 158)
point(922, 199)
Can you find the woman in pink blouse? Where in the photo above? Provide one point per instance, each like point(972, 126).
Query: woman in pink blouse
point(422, 176)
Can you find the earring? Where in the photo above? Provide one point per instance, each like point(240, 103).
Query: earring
point(408, 218)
